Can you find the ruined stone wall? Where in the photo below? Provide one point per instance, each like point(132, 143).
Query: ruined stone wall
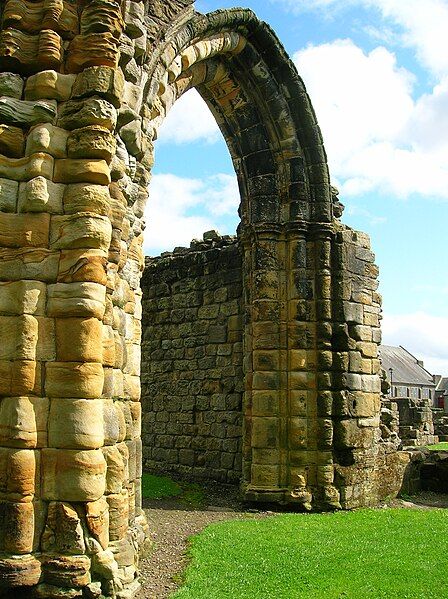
point(416, 422)
point(181, 416)
point(368, 467)
point(192, 377)
point(84, 88)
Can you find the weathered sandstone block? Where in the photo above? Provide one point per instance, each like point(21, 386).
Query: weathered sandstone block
point(46, 344)
point(114, 423)
point(132, 359)
point(12, 141)
point(136, 414)
point(133, 138)
point(48, 84)
point(74, 379)
point(91, 142)
point(79, 340)
point(105, 567)
point(23, 422)
point(71, 475)
point(9, 191)
point(76, 424)
point(28, 263)
point(108, 344)
point(132, 99)
point(118, 168)
point(30, 53)
point(119, 353)
point(348, 434)
point(63, 530)
point(44, 590)
point(97, 518)
point(11, 85)
point(85, 230)
point(84, 113)
point(131, 387)
point(134, 16)
point(113, 383)
point(22, 297)
point(82, 197)
point(21, 377)
point(32, 17)
point(19, 571)
point(19, 337)
point(16, 527)
point(24, 169)
point(106, 82)
point(118, 515)
point(40, 195)
point(30, 230)
point(115, 476)
point(26, 113)
point(19, 474)
point(102, 15)
point(93, 49)
point(82, 266)
point(66, 571)
point(83, 300)
point(47, 138)
point(125, 408)
point(82, 171)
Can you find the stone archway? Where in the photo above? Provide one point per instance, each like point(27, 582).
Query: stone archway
point(84, 87)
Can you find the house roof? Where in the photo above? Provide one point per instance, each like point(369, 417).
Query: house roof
point(406, 368)
point(442, 384)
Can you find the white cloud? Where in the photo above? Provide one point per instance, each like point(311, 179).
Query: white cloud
point(181, 209)
point(425, 336)
point(189, 120)
point(421, 24)
point(360, 97)
point(373, 219)
point(377, 137)
point(425, 24)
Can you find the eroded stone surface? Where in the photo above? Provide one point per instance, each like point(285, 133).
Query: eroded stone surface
point(26, 113)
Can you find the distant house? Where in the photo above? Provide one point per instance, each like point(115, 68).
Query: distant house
point(441, 393)
point(406, 374)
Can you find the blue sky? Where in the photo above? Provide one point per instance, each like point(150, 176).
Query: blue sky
point(377, 74)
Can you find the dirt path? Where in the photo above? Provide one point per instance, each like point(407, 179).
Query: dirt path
point(172, 523)
point(162, 569)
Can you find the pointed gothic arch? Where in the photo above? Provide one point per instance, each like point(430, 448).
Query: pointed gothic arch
point(85, 86)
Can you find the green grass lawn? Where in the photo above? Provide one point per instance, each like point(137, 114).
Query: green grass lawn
point(367, 554)
point(159, 487)
point(438, 447)
point(162, 487)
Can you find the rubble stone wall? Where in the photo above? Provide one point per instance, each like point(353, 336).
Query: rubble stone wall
point(192, 362)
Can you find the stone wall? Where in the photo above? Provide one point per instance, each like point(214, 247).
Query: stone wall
point(440, 419)
point(192, 379)
point(416, 422)
point(192, 372)
point(368, 465)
